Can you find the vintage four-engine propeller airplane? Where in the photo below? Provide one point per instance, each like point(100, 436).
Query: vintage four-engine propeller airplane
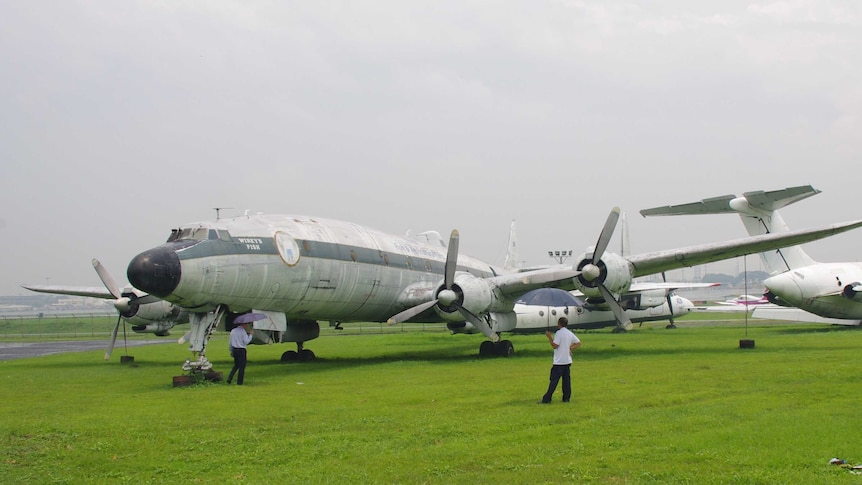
point(298, 270)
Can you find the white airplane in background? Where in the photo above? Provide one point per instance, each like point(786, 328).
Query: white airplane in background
point(746, 301)
point(539, 309)
point(827, 292)
point(298, 270)
point(144, 313)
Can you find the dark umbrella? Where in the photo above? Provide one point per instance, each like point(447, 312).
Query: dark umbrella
point(248, 318)
point(549, 297)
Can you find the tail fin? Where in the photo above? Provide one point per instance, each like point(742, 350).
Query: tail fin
point(759, 213)
point(512, 261)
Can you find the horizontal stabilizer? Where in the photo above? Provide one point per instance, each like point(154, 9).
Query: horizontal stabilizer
point(759, 200)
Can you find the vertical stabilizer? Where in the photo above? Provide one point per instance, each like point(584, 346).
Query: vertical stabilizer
point(512, 261)
point(759, 213)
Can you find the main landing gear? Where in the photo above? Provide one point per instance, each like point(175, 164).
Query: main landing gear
point(298, 355)
point(503, 348)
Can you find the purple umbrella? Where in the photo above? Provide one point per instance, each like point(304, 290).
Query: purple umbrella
point(248, 318)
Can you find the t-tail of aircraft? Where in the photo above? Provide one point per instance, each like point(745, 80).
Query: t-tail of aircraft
point(759, 213)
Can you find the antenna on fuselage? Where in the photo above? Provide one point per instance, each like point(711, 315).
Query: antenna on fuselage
point(218, 211)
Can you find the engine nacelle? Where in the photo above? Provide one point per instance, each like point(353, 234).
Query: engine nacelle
point(614, 272)
point(500, 322)
point(642, 300)
point(158, 328)
point(851, 293)
point(300, 331)
point(472, 293)
point(154, 312)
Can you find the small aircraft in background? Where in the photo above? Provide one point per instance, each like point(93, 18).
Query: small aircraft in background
point(144, 313)
point(827, 292)
point(746, 301)
point(299, 270)
point(538, 310)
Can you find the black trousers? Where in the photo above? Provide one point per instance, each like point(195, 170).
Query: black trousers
point(239, 360)
point(560, 372)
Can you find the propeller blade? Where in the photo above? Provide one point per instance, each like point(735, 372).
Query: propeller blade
point(615, 307)
point(411, 312)
point(605, 236)
point(113, 339)
point(107, 279)
point(451, 259)
point(184, 338)
point(670, 307)
point(480, 324)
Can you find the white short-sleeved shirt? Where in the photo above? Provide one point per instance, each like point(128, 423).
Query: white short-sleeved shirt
point(564, 338)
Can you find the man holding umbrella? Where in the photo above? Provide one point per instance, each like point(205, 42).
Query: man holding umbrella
point(240, 337)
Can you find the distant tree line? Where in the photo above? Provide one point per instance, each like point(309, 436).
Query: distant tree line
point(754, 277)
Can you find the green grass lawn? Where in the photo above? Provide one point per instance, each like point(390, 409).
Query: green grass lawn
point(651, 406)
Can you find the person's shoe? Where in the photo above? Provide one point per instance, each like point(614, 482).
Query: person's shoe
point(544, 402)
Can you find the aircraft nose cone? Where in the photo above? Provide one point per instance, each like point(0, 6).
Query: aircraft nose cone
point(784, 287)
point(155, 271)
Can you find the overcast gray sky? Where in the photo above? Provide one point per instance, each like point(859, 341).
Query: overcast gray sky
point(121, 120)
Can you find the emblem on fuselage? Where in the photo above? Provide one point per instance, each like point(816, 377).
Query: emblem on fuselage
point(288, 249)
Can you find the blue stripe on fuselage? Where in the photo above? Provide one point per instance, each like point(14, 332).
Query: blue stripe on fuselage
point(319, 249)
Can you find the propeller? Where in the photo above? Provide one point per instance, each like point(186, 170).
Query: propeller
point(593, 269)
point(126, 304)
point(669, 303)
point(449, 296)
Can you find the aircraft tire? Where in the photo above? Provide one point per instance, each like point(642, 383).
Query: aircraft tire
point(505, 348)
point(289, 356)
point(306, 355)
point(486, 349)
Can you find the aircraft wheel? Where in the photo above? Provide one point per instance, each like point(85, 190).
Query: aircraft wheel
point(486, 349)
point(306, 355)
point(505, 348)
point(671, 326)
point(289, 356)
point(619, 330)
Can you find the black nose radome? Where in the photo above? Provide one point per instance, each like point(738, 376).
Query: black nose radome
point(155, 271)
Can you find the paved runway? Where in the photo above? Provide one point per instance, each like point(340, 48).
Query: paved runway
point(19, 350)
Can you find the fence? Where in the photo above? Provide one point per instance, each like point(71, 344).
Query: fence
point(98, 325)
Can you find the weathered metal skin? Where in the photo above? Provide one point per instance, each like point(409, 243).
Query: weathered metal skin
point(305, 268)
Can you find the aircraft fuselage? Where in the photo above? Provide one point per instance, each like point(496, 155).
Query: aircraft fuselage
point(821, 289)
point(307, 268)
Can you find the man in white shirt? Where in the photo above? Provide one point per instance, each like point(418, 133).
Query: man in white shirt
point(240, 336)
point(563, 342)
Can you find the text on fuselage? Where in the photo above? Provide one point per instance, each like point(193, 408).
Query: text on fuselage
point(251, 243)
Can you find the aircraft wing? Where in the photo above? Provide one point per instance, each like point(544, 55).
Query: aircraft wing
point(561, 276)
point(652, 263)
point(91, 291)
point(520, 283)
point(669, 286)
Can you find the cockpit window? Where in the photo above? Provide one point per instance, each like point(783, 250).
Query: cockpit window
point(198, 234)
point(191, 233)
